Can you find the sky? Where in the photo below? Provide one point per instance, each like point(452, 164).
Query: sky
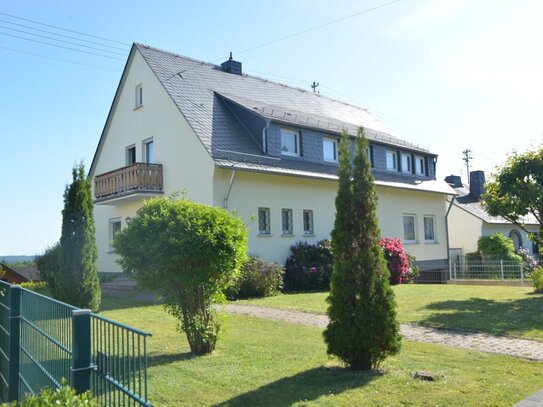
point(449, 75)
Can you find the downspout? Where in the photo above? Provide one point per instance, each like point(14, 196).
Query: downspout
point(230, 183)
point(264, 133)
point(447, 228)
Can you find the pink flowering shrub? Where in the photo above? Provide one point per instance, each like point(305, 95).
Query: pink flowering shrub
point(398, 261)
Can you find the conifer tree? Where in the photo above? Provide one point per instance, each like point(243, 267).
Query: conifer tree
point(78, 278)
point(363, 329)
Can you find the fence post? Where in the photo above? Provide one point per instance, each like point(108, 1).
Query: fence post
point(521, 274)
point(454, 270)
point(450, 269)
point(81, 350)
point(501, 268)
point(14, 341)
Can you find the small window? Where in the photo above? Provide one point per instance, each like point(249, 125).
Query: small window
point(264, 221)
point(130, 155)
point(308, 222)
point(114, 228)
point(409, 229)
point(369, 153)
point(406, 163)
point(392, 160)
point(290, 143)
point(429, 229)
point(139, 96)
point(149, 151)
point(419, 165)
point(286, 221)
point(329, 148)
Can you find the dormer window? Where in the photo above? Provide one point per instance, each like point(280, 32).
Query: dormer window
point(290, 143)
point(139, 96)
point(419, 165)
point(406, 163)
point(329, 149)
point(392, 160)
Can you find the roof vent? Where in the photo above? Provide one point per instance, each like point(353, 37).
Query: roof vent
point(231, 66)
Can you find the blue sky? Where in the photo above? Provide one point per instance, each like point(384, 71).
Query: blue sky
point(447, 74)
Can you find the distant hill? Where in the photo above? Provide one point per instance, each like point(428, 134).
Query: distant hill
point(15, 259)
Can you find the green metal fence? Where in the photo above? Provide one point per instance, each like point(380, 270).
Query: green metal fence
point(44, 341)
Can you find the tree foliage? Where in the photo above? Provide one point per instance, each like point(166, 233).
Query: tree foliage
point(70, 266)
point(516, 190)
point(189, 254)
point(499, 246)
point(363, 329)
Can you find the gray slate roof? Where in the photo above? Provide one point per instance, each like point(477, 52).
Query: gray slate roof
point(199, 89)
point(472, 205)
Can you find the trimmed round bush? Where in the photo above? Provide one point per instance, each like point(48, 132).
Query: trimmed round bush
point(258, 278)
point(537, 278)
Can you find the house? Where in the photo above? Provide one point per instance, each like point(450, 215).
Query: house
point(18, 275)
point(263, 148)
point(468, 221)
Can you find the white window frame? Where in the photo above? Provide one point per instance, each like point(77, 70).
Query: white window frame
point(112, 230)
point(144, 152)
point(394, 155)
point(266, 231)
point(127, 154)
point(410, 215)
point(433, 218)
point(310, 229)
point(334, 146)
point(139, 96)
point(406, 163)
point(419, 160)
point(289, 230)
point(296, 135)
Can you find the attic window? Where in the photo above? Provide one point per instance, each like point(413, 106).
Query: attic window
point(290, 143)
point(139, 96)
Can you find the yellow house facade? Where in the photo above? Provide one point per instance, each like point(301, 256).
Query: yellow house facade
point(265, 150)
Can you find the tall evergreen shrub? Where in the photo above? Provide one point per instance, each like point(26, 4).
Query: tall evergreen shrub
point(77, 282)
point(363, 329)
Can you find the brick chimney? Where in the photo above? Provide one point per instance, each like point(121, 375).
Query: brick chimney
point(231, 66)
point(476, 184)
point(454, 180)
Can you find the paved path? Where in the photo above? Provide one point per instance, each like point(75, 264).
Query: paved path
point(520, 348)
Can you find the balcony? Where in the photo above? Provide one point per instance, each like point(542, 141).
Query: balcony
point(132, 182)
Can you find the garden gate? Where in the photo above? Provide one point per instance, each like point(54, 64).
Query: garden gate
point(44, 342)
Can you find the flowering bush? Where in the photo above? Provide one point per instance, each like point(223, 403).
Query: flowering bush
point(528, 262)
point(309, 267)
point(398, 260)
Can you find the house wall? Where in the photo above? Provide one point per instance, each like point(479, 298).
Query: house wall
point(464, 230)
point(186, 164)
point(253, 190)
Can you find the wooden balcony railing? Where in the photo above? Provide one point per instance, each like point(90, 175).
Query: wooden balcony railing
point(138, 177)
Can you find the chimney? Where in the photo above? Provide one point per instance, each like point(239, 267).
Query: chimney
point(476, 184)
point(454, 180)
point(231, 66)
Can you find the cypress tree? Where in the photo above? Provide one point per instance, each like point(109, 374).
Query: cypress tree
point(78, 283)
point(363, 329)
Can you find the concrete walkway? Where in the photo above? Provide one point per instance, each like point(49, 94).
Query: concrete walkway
point(520, 348)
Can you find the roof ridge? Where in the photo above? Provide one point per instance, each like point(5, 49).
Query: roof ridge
point(260, 78)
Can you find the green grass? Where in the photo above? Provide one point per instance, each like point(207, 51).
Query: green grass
point(512, 311)
point(266, 363)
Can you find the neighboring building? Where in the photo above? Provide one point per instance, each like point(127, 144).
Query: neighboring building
point(262, 148)
point(18, 275)
point(468, 221)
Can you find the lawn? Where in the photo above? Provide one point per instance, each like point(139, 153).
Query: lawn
point(267, 363)
point(512, 311)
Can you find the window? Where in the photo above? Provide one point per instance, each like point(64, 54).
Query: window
point(406, 163)
point(290, 143)
point(130, 155)
point(139, 96)
point(114, 228)
point(392, 160)
point(429, 230)
point(409, 229)
point(308, 221)
point(329, 148)
point(264, 221)
point(286, 221)
point(149, 151)
point(419, 165)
